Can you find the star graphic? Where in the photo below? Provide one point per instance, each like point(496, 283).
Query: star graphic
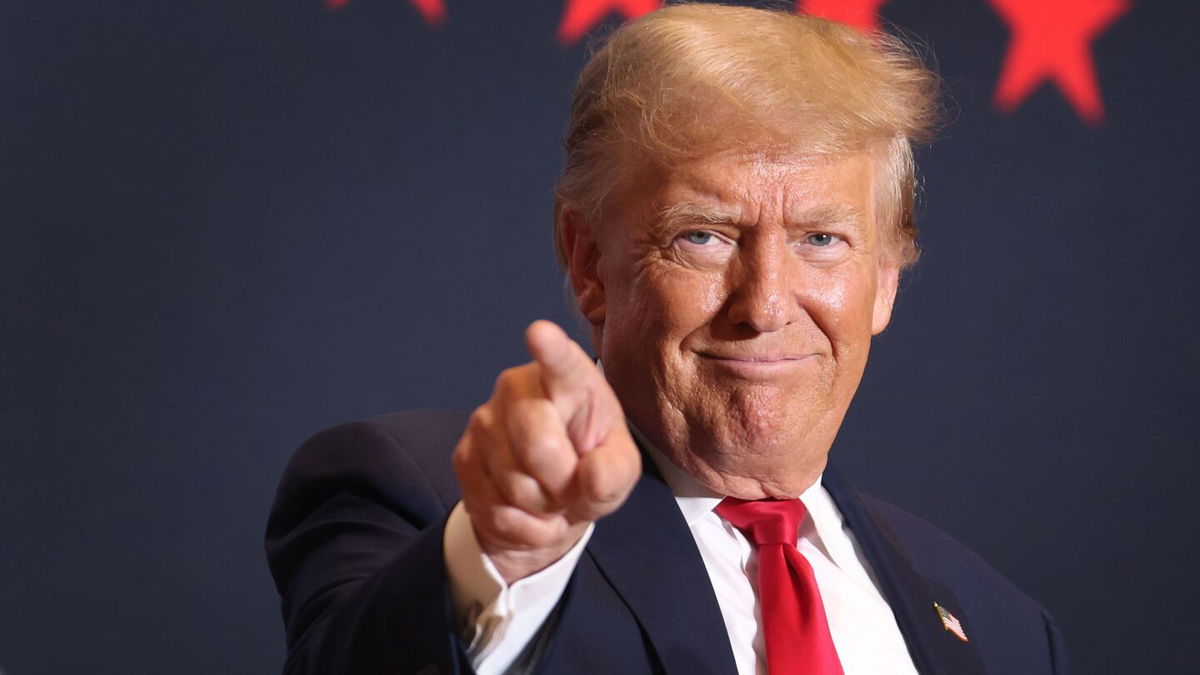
point(433, 11)
point(862, 14)
point(1051, 40)
point(581, 16)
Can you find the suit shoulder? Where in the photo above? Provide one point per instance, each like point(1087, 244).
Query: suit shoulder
point(397, 444)
point(411, 431)
point(400, 460)
point(356, 533)
point(997, 609)
point(935, 553)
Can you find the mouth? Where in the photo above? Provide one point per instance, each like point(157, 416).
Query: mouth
point(754, 357)
point(766, 358)
point(757, 366)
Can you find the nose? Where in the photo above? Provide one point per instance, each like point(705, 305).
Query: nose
point(763, 294)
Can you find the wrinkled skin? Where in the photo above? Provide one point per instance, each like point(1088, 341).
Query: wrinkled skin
point(733, 303)
point(546, 455)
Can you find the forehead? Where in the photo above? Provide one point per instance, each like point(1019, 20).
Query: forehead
point(747, 187)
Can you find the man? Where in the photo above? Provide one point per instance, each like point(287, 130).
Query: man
point(734, 215)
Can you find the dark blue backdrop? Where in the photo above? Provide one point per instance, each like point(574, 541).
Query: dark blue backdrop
point(227, 225)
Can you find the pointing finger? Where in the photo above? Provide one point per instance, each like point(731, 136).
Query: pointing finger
point(565, 366)
point(573, 383)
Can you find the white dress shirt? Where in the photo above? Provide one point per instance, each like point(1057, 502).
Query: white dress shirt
point(499, 620)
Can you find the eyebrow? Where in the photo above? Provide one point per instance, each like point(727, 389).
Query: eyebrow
point(670, 218)
point(829, 214)
point(688, 212)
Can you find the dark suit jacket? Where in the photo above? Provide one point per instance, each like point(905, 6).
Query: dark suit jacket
point(355, 545)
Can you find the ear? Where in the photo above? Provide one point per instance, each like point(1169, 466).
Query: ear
point(885, 294)
point(583, 264)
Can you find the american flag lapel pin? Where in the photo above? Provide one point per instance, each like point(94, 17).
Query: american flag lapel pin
point(950, 623)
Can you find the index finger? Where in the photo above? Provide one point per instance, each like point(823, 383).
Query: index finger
point(565, 367)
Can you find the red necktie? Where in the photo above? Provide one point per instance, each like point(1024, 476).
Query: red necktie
point(794, 624)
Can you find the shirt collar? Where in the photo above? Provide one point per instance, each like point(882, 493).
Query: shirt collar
point(823, 525)
point(695, 500)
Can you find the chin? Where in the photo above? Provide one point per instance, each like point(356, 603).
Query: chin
point(762, 419)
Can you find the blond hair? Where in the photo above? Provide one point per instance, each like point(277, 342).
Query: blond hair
point(690, 80)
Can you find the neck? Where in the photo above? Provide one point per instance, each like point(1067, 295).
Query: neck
point(701, 478)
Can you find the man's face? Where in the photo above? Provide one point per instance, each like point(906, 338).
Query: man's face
point(734, 300)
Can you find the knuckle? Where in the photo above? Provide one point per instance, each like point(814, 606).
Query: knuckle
point(461, 457)
point(506, 483)
point(481, 420)
point(523, 492)
point(598, 491)
point(504, 380)
point(528, 409)
point(533, 417)
point(604, 487)
point(510, 381)
point(518, 418)
point(541, 451)
point(509, 524)
point(495, 463)
point(552, 464)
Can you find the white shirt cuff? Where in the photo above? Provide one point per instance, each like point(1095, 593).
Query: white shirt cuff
point(497, 620)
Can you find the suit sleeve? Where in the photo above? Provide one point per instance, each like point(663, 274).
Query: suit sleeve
point(354, 542)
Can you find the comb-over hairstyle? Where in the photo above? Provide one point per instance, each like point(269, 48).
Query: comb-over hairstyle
point(695, 79)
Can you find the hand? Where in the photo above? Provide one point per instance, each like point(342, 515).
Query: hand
point(545, 456)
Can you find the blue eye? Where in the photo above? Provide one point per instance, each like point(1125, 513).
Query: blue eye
point(699, 237)
point(820, 239)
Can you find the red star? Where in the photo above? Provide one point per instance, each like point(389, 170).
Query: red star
point(581, 16)
point(433, 10)
point(1051, 40)
point(862, 14)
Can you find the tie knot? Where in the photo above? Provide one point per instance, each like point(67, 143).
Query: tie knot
point(765, 521)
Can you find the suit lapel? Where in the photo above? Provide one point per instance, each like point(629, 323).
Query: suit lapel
point(648, 555)
point(935, 649)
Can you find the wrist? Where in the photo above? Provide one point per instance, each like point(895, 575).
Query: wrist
point(514, 565)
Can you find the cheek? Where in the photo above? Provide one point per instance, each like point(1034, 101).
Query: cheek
point(849, 302)
point(680, 302)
